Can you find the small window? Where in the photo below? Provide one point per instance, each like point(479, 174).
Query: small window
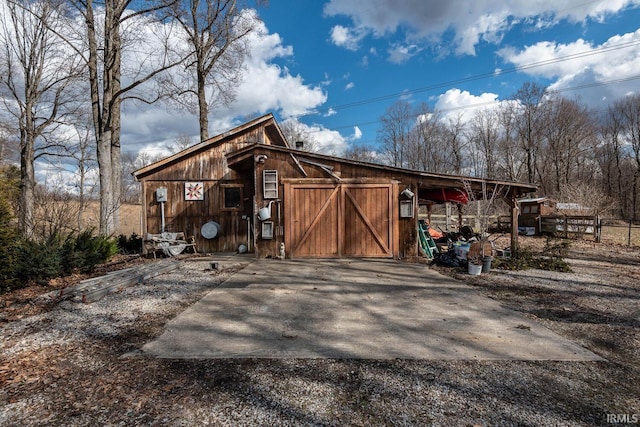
point(270, 184)
point(534, 209)
point(525, 209)
point(232, 197)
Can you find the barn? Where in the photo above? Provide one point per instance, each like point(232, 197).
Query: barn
point(249, 188)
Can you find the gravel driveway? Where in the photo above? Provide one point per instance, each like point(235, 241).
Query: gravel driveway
point(61, 362)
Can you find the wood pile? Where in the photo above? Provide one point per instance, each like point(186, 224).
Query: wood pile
point(90, 290)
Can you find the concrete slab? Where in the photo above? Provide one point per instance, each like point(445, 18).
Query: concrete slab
point(360, 309)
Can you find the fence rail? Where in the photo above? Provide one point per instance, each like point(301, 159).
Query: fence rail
point(610, 230)
point(570, 224)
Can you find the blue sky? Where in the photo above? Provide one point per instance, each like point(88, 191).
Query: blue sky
point(335, 66)
point(411, 47)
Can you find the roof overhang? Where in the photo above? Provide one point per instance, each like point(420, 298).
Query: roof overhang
point(440, 187)
point(268, 121)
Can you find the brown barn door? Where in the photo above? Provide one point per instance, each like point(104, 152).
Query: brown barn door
point(331, 220)
point(367, 220)
point(312, 220)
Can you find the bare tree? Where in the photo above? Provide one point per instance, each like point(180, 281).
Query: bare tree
point(592, 198)
point(83, 152)
point(530, 100)
point(295, 132)
point(485, 133)
point(455, 142)
point(8, 144)
point(569, 135)
point(109, 30)
point(361, 153)
point(395, 133)
point(180, 142)
point(627, 110)
point(130, 163)
point(216, 32)
point(614, 160)
point(35, 72)
point(510, 158)
point(426, 151)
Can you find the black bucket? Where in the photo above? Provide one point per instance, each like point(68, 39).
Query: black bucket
point(486, 264)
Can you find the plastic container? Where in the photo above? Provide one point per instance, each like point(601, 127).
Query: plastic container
point(474, 269)
point(462, 250)
point(486, 264)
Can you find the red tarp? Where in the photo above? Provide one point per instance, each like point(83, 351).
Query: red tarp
point(440, 195)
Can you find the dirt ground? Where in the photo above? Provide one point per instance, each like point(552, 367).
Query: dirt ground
point(67, 379)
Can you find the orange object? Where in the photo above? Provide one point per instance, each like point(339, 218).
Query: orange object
point(435, 233)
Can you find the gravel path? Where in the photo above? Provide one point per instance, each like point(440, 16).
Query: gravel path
point(61, 364)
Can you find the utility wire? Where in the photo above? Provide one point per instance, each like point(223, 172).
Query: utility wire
point(476, 77)
point(487, 103)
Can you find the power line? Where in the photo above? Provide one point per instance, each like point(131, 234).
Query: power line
point(476, 77)
point(486, 103)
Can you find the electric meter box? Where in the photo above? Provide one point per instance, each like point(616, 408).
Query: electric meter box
point(161, 194)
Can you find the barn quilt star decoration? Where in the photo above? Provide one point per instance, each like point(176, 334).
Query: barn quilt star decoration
point(193, 191)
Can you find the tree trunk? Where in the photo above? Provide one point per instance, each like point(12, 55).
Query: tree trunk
point(203, 107)
point(114, 116)
point(27, 185)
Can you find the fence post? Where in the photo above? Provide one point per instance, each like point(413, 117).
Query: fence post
point(629, 234)
point(598, 229)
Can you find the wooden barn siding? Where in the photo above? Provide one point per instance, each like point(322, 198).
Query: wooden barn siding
point(188, 216)
point(404, 234)
point(286, 167)
point(210, 163)
point(210, 167)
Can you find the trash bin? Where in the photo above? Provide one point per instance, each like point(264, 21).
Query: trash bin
point(474, 269)
point(486, 264)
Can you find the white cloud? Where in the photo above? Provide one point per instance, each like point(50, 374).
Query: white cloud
point(399, 54)
point(350, 85)
point(582, 64)
point(357, 134)
point(327, 141)
point(348, 38)
point(471, 22)
point(455, 102)
point(265, 87)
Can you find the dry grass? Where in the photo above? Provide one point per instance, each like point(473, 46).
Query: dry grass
point(619, 235)
point(63, 215)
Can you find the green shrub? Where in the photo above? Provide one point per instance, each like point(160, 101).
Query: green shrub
point(130, 245)
point(60, 256)
point(85, 251)
point(40, 261)
point(9, 242)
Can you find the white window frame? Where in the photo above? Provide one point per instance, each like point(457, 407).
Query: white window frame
point(270, 184)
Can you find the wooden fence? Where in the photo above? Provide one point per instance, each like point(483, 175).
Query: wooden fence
point(566, 225)
point(609, 230)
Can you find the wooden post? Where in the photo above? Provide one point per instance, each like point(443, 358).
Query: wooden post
point(513, 204)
